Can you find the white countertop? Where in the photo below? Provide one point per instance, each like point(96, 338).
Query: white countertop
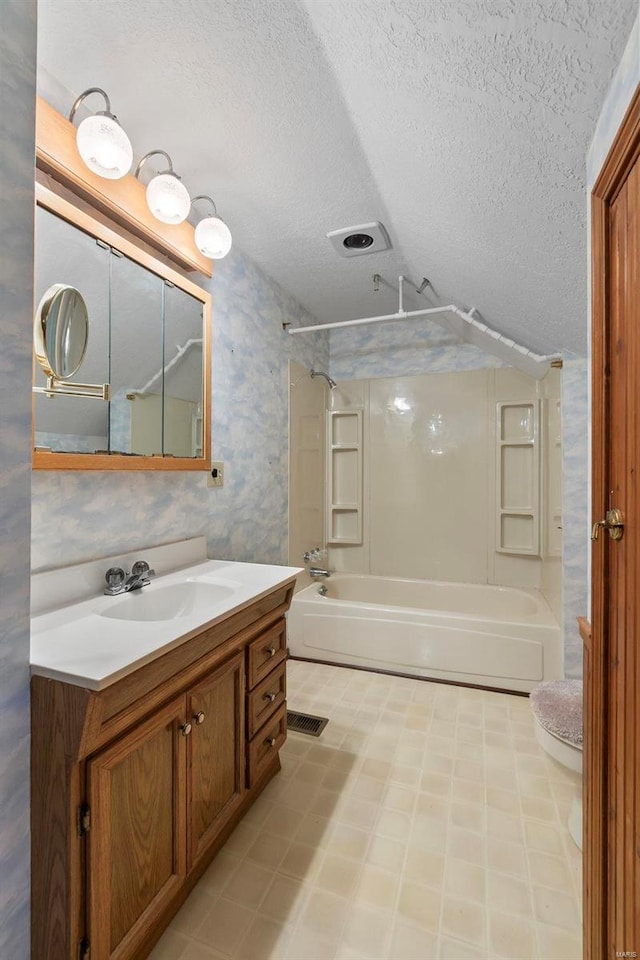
point(79, 645)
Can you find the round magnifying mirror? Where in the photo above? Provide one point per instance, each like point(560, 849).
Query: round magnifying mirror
point(61, 331)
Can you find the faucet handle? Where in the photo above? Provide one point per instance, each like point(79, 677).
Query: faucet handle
point(114, 578)
point(142, 569)
point(312, 556)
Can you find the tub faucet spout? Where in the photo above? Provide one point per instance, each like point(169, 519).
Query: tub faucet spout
point(318, 572)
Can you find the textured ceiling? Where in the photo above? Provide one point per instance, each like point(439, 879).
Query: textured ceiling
point(462, 125)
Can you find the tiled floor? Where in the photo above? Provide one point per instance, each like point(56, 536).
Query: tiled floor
point(425, 823)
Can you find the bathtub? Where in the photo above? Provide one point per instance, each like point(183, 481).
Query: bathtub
point(467, 633)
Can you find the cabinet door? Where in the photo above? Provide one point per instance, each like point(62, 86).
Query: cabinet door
point(136, 852)
point(215, 754)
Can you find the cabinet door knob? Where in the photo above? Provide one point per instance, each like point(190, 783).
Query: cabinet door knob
point(198, 717)
point(185, 729)
point(271, 741)
point(269, 696)
point(271, 651)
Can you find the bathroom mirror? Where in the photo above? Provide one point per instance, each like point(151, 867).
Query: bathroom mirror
point(149, 341)
point(61, 331)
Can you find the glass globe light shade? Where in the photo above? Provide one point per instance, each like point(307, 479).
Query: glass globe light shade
point(168, 198)
point(213, 238)
point(104, 146)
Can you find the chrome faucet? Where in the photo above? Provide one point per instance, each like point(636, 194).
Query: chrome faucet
point(318, 572)
point(119, 582)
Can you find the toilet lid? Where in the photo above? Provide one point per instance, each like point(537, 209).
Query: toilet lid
point(557, 706)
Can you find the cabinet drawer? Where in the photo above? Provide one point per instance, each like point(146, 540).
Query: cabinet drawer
point(266, 652)
point(265, 745)
point(266, 698)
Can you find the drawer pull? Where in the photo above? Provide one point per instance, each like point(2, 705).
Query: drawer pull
point(271, 651)
point(198, 717)
point(269, 696)
point(270, 741)
point(185, 729)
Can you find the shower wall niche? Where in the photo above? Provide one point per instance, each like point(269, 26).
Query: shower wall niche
point(344, 477)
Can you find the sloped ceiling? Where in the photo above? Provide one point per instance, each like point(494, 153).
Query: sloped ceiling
point(462, 125)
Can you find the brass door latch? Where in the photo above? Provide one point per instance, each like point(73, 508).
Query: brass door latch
point(613, 522)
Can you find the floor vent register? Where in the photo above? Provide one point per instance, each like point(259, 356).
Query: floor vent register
point(306, 723)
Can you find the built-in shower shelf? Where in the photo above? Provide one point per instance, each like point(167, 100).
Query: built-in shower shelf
point(344, 476)
point(518, 475)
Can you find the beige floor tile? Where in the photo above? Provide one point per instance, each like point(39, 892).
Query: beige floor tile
point(264, 940)
point(503, 856)
point(509, 895)
point(544, 837)
point(449, 949)
point(464, 920)
point(399, 798)
point(197, 905)
point(368, 788)
point(324, 914)
point(268, 850)
point(549, 871)
point(284, 899)
point(358, 813)
point(306, 944)
point(218, 874)
point(419, 905)
point(436, 808)
point(555, 908)
point(386, 853)
point(377, 888)
point(248, 884)
point(348, 841)
point(511, 937)
point(470, 816)
point(435, 783)
point(338, 875)
point(171, 946)
point(465, 881)
point(223, 926)
point(367, 932)
point(393, 824)
point(198, 951)
point(467, 845)
point(424, 867)
point(411, 943)
point(556, 944)
point(301, 861)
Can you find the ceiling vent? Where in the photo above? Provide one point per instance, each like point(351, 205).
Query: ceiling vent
point(355, 241)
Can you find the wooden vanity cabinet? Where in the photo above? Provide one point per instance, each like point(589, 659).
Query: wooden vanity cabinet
point(136, 787)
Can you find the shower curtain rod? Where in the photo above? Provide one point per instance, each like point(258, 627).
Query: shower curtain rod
point(402, 314)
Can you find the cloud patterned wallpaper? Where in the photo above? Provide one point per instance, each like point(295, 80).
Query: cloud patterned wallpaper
point(17, 90)
point(401, 349)
point(79, 516)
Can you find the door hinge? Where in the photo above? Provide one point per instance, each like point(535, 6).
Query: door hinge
point(84, 949)
point(84, 819)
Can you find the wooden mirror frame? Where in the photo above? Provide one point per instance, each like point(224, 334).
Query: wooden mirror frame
point(82, 220)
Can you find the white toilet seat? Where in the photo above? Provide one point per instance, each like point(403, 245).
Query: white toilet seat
point(568, 754)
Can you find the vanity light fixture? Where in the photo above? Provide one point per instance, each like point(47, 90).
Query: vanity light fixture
point(212, 235)
point(167, 197)
point(102, 143)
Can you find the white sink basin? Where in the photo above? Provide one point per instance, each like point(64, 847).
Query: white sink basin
point(167, 602)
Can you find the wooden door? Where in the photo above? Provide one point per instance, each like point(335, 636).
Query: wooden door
point(612, 663)
point(215, 754)
point(136, 851)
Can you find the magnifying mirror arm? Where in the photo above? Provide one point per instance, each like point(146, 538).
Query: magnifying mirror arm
point(63, 388)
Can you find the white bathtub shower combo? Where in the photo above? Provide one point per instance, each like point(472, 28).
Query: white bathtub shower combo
point(467, 633)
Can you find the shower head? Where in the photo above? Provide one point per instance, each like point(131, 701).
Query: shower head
point(319, 373)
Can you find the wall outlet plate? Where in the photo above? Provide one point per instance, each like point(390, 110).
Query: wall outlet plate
point(215, 477)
